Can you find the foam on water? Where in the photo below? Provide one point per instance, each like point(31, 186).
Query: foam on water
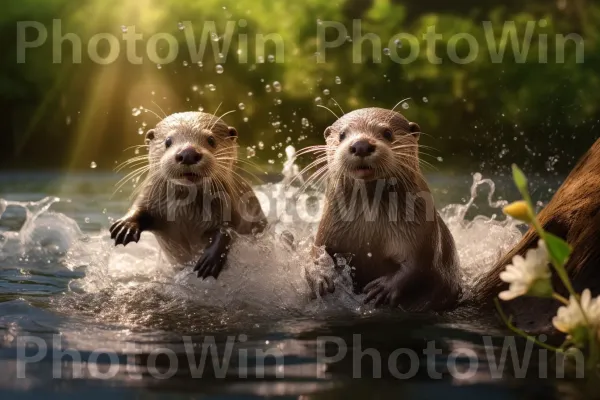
point(135, 288)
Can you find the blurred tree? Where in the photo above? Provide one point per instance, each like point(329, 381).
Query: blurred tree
point(479, 115)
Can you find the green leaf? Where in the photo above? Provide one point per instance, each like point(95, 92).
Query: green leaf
point(559, 249)
point(520, 180)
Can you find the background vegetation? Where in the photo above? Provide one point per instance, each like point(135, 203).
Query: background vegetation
point(479, 116)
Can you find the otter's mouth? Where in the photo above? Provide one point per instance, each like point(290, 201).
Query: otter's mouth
point(188, 177)
point(363, 172)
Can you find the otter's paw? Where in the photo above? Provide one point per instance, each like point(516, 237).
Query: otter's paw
point(320, 283)
point(384, 290)
point(125, 231)
point(211, 263)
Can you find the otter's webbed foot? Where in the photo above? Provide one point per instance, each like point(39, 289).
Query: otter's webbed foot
point(320, 275)
point(319, 282)
point(129, 228)
point(385, 290)
point(215, 255)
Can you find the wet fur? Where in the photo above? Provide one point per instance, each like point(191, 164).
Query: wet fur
point(422, 249)
point(184, 231)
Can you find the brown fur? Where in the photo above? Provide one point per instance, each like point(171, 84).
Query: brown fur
point(573, 215)
point(407, 260)
point(220, 199)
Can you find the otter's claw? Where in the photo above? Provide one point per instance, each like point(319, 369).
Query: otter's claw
point(125, 231)
point(211, 263)
point(384, 290)
point(319, 282)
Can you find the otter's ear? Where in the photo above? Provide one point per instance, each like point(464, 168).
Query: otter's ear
point(232, 132)
point(327, 132)
point(150, 136)
point(415, 130)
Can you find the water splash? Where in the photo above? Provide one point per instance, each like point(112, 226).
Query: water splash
point(482, 240)
point(291, 171)
point(134, 287)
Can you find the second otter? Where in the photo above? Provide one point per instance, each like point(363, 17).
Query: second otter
point(380, 215)
point(192, 196)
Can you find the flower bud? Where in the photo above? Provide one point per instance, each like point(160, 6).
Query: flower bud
point(519, 210)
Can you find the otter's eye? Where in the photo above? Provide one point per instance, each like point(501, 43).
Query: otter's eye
point(168, 142)
point(388, 134)
point(342, 136)
point(211, 141)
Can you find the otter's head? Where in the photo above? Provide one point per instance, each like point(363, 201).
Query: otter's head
point(187, 147)
point(373, 143)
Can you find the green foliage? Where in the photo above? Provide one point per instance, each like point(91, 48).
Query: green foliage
point(477, 114)
point(580, 318)
point(520, 181)
point(559, 249)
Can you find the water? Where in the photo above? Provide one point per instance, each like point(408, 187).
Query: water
point(63, 284)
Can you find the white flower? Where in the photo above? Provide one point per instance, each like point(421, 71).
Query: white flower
point(570, 318)
point(529, 275)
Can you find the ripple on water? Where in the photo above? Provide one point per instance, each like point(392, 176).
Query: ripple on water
point(134, 288)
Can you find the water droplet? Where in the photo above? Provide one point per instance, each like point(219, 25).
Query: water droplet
point(214, 37)
point(277, 86)
point(68, 120)
point(250, 94)
point(241, 106)
point(277, 102)
point(271, 58)
point(261, 145)
point(440, 159)
point(124, 28)
point(245, 119)
point(195, 88)
point(185, 64)
point(326, 92)
point(87, 220)
point(318, 100)
point(200, 64)
point(260, 59)
point(425, 100)
point(338, 80)
point(405, 106)
point(305, 122)
point(180, 26)
point(271, 161)
point(369, 255)
point(93, 165)
point(211, 87)
point(386, 51)
point(398, 43)
point(136, 112)
point(219, 69)
point(250, 152)
point(158, 66)
point(141, 131)
point(268, 88)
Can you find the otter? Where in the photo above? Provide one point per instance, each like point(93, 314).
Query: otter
point(192, 199)
point(573, 214)
point(380, 217)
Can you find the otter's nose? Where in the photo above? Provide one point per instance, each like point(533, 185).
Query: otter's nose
point(362, 148)
point(188, 156)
